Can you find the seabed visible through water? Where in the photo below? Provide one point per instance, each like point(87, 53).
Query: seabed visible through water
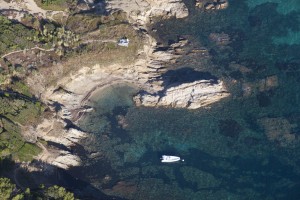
point(243, 147)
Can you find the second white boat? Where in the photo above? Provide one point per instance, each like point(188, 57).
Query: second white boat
point(170, 159)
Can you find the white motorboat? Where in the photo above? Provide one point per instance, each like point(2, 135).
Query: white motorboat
point(170, 159)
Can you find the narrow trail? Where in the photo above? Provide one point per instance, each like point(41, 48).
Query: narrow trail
point(44, 153)
point(33, 48)
point(102, 41)
point(52, 49)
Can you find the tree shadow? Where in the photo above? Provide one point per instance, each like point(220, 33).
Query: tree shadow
point(51, 175)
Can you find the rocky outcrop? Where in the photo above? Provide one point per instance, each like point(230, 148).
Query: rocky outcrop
point(143, 73)
point(66, 160)
point(215, 5)
point(55, 131)
point(142, 11)
point(168, 8)
point(187, 95)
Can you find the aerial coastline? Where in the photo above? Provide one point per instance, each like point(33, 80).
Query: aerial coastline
point(72, 90)
point(93, 93)
point(65, 93)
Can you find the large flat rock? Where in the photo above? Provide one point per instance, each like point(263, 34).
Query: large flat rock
point(186, 95)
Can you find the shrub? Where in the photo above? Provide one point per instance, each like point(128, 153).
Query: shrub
point(6, 188)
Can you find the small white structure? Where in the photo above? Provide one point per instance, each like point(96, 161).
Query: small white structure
point(170, 159)
point(123, 42)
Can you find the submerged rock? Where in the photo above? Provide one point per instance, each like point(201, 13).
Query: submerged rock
point(220, 39)
point(215, 5)
point(268, 83)
point(187, 95)
point(230, 128)
point(279, 130)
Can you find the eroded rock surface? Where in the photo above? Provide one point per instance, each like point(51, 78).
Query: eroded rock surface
point(187, 95)
point(66, 160)
point(55, 131)
point(141, 11)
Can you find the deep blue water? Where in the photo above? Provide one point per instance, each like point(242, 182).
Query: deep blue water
point(243, 147)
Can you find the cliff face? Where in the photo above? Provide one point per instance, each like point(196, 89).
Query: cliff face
point(187, 95)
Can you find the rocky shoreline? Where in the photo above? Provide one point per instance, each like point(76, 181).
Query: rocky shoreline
point(67, 98)
point(187, 95)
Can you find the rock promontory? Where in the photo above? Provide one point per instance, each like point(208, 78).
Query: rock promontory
point(186, 95)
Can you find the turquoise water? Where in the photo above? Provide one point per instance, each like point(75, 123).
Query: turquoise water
point(283, 7)
point(244, 147)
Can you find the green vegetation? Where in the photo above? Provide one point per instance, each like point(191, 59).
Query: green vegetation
point(26, 152)
point(15, 111)
point(20, 87)
point(58, 37)
point(19, 108)
point(31, 21)
point(56, 192)
point(84, 23)
point(59, 5)
point(8, 190)
point(10, 138)
point(64, 41)
point(14, 36)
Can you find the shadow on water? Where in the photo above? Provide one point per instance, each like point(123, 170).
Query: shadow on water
point(266, 176)
point(185, 75)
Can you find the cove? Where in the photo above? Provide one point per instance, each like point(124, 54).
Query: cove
point(246, 147)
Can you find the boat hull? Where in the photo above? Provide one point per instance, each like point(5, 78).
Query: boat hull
point(169, 159)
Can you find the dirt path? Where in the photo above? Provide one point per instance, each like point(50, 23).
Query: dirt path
point(102, 41)
point(19, 51)
point(52, 49)
point(45, 152)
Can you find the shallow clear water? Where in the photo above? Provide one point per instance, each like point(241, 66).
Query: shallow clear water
point(243, 147)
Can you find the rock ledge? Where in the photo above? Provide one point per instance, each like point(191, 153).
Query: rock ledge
point(187, 95)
